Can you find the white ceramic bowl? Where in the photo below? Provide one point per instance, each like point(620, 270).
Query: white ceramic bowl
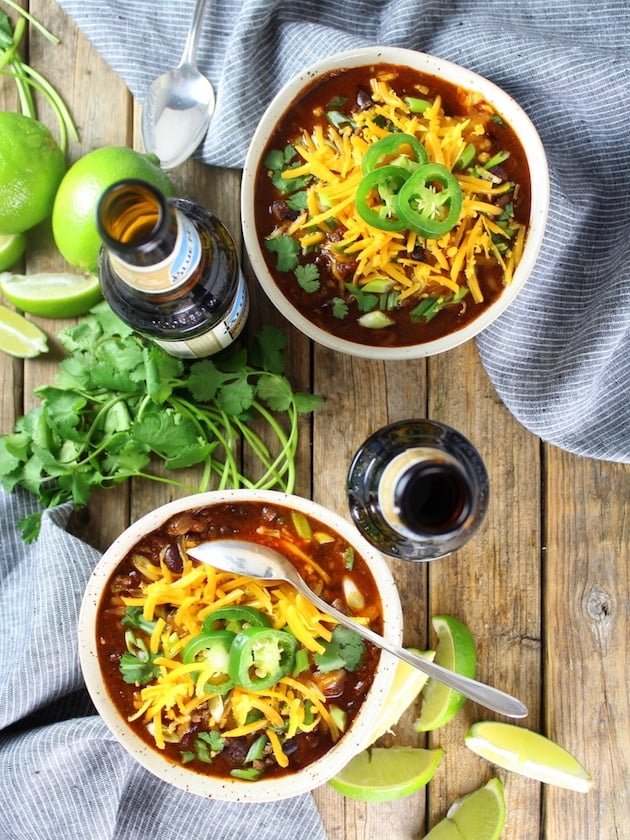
point(454, 73)
point(320, 771)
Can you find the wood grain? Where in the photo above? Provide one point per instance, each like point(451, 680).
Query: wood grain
point(544, 585)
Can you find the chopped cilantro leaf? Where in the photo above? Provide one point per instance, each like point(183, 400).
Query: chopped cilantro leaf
point(344, 650)
point(138, 669)
point(365, 300)
point(133, 617)
point(340, 308)
point(208, 745)
point(286, 250)
point(308, 277)
point(298, 201)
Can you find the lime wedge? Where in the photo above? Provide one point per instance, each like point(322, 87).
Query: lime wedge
point(481, 814)
point(455, 651)
point(529, 754)
point(408, 682)
point(380, 774)
point(444, 830)
point(20, 337)
point(478, 816)
point(51, 295)
point(12, 246)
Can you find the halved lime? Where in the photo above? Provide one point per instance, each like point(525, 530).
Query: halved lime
point(479, 815)
point(408, 682)
point(51, 295)
point(529, 754)
point(455, 651)
point(12, 246)
point(20, 337)
point(380, 774)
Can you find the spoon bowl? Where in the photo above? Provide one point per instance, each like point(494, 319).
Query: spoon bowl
point(260, 561)
point(179, 105)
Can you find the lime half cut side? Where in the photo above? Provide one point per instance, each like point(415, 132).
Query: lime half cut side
point(455, 651)
point(479, 815)
point(20, 337)
point(381, 774)
point(51, 295)
point(12, 246)
point(529, 754)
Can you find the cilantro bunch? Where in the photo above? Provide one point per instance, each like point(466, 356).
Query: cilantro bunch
point(121, 404)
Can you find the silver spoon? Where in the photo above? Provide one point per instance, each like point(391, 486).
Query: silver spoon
point(179, 104)
point(260, 561)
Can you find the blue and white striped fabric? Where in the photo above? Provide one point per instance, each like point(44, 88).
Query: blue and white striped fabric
point(62, 774)
point(560, 356)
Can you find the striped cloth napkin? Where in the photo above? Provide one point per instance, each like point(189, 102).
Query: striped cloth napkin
point(560, 356)
point(62, 774)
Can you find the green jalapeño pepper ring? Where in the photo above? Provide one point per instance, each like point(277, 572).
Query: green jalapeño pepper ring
point(212, 649)
point(393, 147)
point(236, 618)
point(382, 184)
point(260, 656)
point(428, 211)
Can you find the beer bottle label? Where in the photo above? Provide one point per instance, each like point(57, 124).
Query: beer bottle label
point(221, 335)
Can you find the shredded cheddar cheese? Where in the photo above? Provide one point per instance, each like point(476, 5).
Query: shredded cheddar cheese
point(169, 704)
point(332, 158)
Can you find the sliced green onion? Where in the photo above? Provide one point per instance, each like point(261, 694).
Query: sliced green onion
point(416, 105)
point(375, 320)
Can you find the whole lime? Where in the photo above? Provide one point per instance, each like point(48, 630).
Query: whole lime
point(74, 211)
point(31, 168)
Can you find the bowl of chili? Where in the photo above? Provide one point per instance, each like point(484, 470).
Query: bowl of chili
point(393, 203)
point(229, 687)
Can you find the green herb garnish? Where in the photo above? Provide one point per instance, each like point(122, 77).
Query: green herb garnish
point(286, 249)
point(137, 665)
point(208, 745)
point(340, 308)
point(308, 277)
point(344, 650)
point(121, 401)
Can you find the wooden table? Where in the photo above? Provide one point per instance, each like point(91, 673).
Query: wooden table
point(544, 586)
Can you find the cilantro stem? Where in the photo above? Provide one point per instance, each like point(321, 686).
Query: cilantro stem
point(284, 462)
point(32, 20)
point(229, 468)
point(28, 79)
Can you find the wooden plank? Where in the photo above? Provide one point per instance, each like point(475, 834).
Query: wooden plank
point(362, 396)
point(587, 640)
point(493, 583)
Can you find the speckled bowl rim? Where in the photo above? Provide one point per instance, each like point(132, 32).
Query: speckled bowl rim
point(353, 741)
point(504, 104)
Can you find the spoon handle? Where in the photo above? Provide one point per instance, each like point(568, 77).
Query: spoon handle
point(485, 695)
point(192, 40)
